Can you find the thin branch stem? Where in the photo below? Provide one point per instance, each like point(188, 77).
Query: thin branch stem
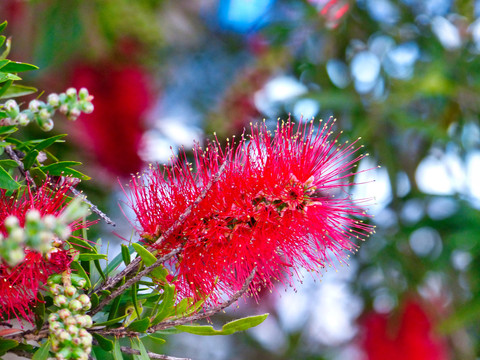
point(132, 267)
point(123, 332)
point(209, 312)
point(133, 280)
point(11, 153)
point(150, 354)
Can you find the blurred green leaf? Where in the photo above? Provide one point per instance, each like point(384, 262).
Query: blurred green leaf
point(6, 180)
point(43, 352)
point(140, 325)
point(10, 91)
point(6, 345)
point(104, 343)
point(15, 67)
point(227, 329)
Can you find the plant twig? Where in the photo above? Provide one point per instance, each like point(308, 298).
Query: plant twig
point(209, 312)
point(133, 280)
point(123, 332)
point(132, 267)
point(11, 153)
point(150, 354)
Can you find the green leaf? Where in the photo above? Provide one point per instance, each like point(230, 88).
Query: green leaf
point(38, 175)
point(117, 352)
point(227, 329)
point(58, 167)
point(6, 181)
point(88, 257)
point(42, 352)
point(8, 163)
point(80, 271)
point(8, 46)
point(82, 245)
point(112, 321)
point(156, 339)
point(8, 76)
point(104, 343)
point(147, 257)
point(15, 67)
point(3, 25)
point(3, 63)
point(30, 159)
point(94, 300)
point(6, 345)
point(16, 90)
point(166, 307)
point(39, 311)
point(2, 41)
point(7, 130)
point(74, 173)
point(125, 254)
point(112, 265)
point(139, 325)
point(4, 89)
point(137, 344)
point(47, 142)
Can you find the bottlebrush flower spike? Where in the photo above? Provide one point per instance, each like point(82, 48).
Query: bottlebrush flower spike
point(19, 284)
point(272, 209)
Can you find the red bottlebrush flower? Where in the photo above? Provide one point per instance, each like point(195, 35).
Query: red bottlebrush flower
point(113, 131)
point(19, 285)
point(270, 209)
point(410, 337)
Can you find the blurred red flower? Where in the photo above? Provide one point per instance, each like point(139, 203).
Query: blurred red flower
point(20, 284)
point(409, 336)
point(271, 209)
point(112, 133)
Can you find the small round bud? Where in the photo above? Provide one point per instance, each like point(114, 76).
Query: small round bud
point(54, 326)
point(71, 92)
point(11, 106)
point(70, 290)
point(54, 279)
point(53, 100)
point(34, 105)
point(47, 125)
point(73, 114)
point(64, 313)
point(50, 221)
point(60, 301)
point(63, 108)
point(87, 107)
point(88, 321)
point(44, 114)
point(55, 345)
point(23, 119)
point(83, 93)
point(75, 305)
point(64, 336)
point(11, 222)
point(33, 216)
point(72, 329)
point(71, 320)
point(56, 289)
point(17, 235)
point(15, 256)
point(53, 317)
point(85, 301)
point(83, 333)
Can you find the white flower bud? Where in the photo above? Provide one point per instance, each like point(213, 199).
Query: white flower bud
point(87, 107)
point(11, 222)
point(34, 105)
point(47, 125)
point(11, 106)
point(83, 93)
point(53, 99)
point(44, 114)
point(23, 119)
point(33, 216)
point(61, 300)
point(71, 92)
point(70, 291)
point(63, 108)
point(17, 235)
point(75, 305)
point(15, 256)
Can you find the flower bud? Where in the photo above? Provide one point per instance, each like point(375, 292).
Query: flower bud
point(34, 105)
point(85, 301)
point(44, 114)
point(11, 222)
point(53, 317)
point(33, 216)
point(60, 301)
point(63, 108)
point(53, 100)
point(87, 107)
point(56, 289)
point(54, 279)
point(11, 107)
point(64, 313)
point(47, 125)
point(64, 336)
point(72, 329)
point(54, 326)
point(15, 256)
point(17, 235)
point(23, 119)
point(71, 320)
point(83, 93)
point(75, 305)
point(70, 291)
point(71, 92)
point(50, 221)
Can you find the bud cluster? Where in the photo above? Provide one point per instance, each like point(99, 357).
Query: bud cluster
point(68, 103)
point(43, 234)
point(67, 326)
